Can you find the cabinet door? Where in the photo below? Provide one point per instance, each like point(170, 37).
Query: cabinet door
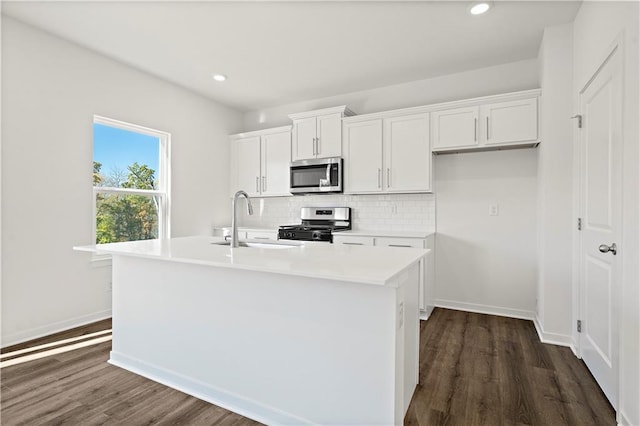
point(429, 289)
point(455, 128)
point(363, 157)
point(510, 122)
point(262, 235)
point(329, 133)
point(353, 240)
point(276, 156)
point(247, 165)
point(411, 243)
point(407, 153)
point(304, 134)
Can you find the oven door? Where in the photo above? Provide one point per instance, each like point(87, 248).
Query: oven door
point(316, 176)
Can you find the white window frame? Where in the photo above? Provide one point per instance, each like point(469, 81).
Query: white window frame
point(162, 193)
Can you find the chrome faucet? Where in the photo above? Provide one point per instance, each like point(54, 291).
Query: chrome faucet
point(234, 225)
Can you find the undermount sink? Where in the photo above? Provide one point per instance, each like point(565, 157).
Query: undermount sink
point(272, 245)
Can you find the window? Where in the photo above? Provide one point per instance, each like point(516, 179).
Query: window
point(130, 182)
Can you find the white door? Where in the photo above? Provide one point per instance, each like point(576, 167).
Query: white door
point(363, 156)
point(329, 142)
point(304, 135)
point(407, 153)
point(276, 156)
point(601, 182)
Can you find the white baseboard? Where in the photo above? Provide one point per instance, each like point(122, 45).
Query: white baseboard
point(485, 309)
point(424, 315)
point(623, 419)
point(46, 330)
point(238, 404)
point(552, 338)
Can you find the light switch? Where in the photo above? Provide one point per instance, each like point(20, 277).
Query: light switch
point(493, 210)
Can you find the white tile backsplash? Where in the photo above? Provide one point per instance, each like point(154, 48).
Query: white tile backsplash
point(390, 212)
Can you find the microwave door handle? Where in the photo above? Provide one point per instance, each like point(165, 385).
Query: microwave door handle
point(329, 174)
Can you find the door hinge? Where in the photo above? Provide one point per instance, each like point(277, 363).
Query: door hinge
point(579, 224)
point(579, 117)
point(579, 326)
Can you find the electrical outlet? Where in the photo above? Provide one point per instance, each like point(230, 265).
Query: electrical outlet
point(493, 210)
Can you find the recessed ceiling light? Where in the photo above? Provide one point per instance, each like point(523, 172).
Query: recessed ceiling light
point(478, 8)
point(219, 77)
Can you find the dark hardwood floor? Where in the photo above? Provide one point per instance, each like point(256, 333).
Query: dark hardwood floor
point(474, 370)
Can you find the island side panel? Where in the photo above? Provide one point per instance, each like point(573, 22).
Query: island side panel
point(276, 348)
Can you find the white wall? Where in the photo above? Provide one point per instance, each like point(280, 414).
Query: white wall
point(596, 28)
point(510, 77)
point(487, 263)
point(468, 277)
point(556, 220)
point(51, 89)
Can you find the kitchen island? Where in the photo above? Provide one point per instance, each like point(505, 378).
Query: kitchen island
point(290, 334)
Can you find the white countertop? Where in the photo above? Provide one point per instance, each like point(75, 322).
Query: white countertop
point(367, 265)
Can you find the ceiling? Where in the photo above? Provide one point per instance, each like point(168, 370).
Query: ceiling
point(276, 53)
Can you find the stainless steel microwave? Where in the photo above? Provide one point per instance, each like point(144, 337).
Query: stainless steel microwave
point(321, 175)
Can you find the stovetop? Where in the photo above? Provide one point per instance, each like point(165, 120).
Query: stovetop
point(318, 224)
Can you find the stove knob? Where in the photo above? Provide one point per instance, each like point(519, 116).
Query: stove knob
point(316, 235)
point(289, 234)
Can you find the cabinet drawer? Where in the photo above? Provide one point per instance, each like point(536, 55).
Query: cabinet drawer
point(262, 235)
point(353, 241)
point(399, 242)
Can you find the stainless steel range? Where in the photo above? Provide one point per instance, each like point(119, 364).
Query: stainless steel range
point(318, 224)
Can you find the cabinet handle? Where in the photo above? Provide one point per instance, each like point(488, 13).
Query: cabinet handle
point(352, 244)
point(261, 238)
point(379, 178)
point(313, 148)
point(487, 127)
point(317, 146)
point(475, 130)
point(388, 177)
point(399, 245)
point(257, 184)
point(264, 183)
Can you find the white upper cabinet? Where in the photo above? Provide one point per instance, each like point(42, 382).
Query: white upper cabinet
point(455, 127)
point(493, 122)
point(275, 159)
point(510, 122)
point(245, 165)
point(363, 156)
point(387, 155)
point(260, 162)
point(318, 134)
point(303, 141)
point(407, 153)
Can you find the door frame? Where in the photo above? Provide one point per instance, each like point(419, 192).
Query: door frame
point(616, 47)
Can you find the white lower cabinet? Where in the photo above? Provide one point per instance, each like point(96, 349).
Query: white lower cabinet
point(427, 272)
point(262, 235)
point(352, 240)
